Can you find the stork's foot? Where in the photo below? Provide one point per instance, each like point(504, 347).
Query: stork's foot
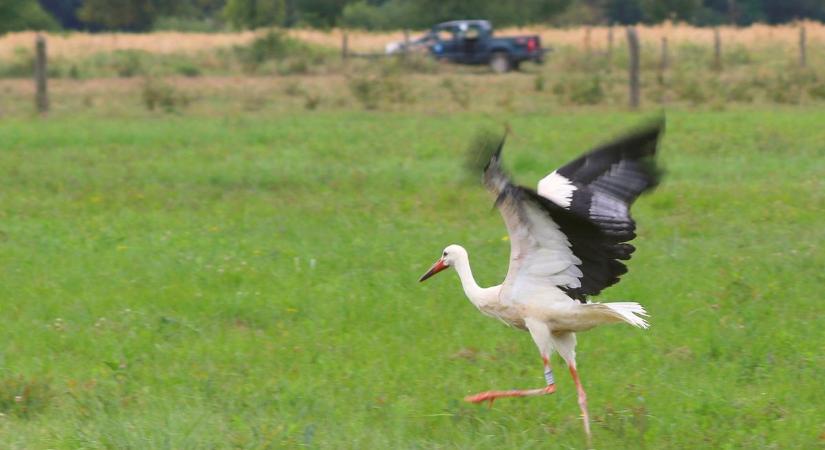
point(491, 396)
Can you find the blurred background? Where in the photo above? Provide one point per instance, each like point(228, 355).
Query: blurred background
point(375, 55)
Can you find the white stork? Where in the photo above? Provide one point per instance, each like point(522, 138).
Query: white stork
point(567, 241)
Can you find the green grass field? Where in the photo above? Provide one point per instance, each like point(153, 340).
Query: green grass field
point(250, 281)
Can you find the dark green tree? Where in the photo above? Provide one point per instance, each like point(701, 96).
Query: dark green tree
point(679, 10)
point(779, 11)
point(194, 9)
point(255, 13)
point(625, 12)
point(425, 13)
point(139, 15)
point(361, 14)
point(129, 15)
point(318, 13)
point(19, 15)
point(64, 11)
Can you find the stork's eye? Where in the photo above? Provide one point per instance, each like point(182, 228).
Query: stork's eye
point(444, 255)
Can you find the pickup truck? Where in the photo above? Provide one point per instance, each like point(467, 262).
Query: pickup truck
point(472, 42)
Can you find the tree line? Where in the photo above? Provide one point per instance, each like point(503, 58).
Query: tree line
point(215, 15)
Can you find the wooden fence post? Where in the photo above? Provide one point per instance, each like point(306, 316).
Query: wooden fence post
point(803, 47)
point(344, 45)
point(633, 47)
point(664, 64)
point(665, 57)
point(406, 43)
point(587, 46)
point(40, 75)
point(609, 57)
point(717, 50)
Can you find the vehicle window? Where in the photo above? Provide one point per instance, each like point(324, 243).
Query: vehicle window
point(445, 35)
point(473, 32)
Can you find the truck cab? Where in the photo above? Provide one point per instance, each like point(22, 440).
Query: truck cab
point(472, 42)
point(461, 41)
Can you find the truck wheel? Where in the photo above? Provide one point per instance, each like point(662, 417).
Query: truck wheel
point(500, 62)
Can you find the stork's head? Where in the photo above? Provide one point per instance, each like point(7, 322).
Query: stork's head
point(449, 257)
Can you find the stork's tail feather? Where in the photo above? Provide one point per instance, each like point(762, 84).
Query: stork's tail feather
point(630, 312)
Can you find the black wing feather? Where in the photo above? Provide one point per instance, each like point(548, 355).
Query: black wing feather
point(592, 244)
point(597, 222)
point(639, 146)
point(608, 180)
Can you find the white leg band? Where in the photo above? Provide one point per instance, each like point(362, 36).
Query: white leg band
point(548, 375)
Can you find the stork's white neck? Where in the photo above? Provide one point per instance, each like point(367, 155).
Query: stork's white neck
point(477, 295)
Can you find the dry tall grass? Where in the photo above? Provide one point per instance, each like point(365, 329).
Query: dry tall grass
point(752, 36)
point(75, 45)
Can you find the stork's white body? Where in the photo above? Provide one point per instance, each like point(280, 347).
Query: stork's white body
point(567, 241)
point(551, 307)
point(548, 308)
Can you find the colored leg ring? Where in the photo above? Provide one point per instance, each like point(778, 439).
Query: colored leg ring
point(548, 375)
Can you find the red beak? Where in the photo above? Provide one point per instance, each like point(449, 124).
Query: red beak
point(437, 267)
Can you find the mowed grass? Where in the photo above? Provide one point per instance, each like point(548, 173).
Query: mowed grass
point(207, 282)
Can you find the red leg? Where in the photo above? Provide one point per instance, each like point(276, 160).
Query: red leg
point(582, 400)
point(491, 396)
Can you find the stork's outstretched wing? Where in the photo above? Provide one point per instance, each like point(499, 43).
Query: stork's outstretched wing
point(573, 232)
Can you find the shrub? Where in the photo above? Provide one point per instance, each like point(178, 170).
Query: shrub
point(158, 94)
point(739, 92)
point(128, 63)
point(538, 83)
point(787, 89)
point(21, 64)
point(294, 66)
point(395, 90)
point(371, 90)
point(690, 90)
point(817, 91)
point(366, 91)
point(294, 89)
point(460, 94)
point(277, 46)
point(588, 91)
point(559, 89)
point(311, 101)
point(188, 69)
point(74, 72)
point(782, 93)
point(581, 90)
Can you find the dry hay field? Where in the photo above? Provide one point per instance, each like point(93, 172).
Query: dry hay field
point(303, 68)
point(74, 45)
